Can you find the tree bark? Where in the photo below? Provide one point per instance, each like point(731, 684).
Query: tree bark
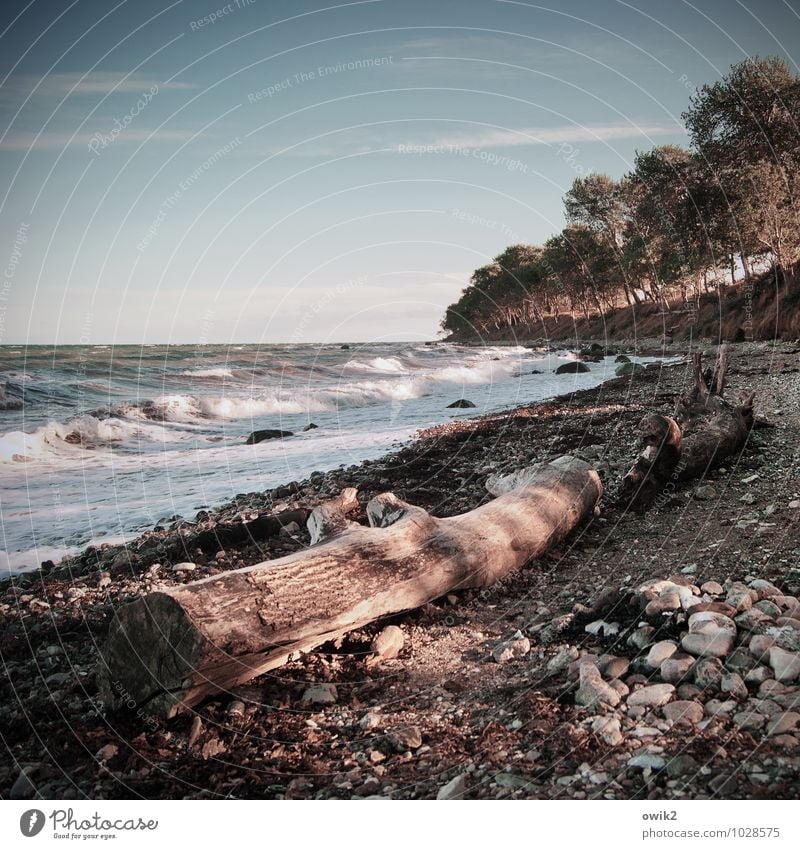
point(703, 432)
point(169, 650)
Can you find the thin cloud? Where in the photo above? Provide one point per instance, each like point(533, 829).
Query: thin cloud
point(56, 141)
point(75, 83)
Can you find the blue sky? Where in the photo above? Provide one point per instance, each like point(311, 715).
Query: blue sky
point(294, 171)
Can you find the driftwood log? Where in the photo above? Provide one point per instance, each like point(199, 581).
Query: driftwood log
point(704, 431)
point(170, 650)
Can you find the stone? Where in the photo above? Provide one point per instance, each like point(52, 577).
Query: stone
point(731, 682)
point(683, 712)
point(593, 692)
point(572, 368)
point(389, 643)
point(665, 603)
point(740, 660)
point(562, 659)
point(773, 688)
point(602, 628)
point(321, 694)
point(682, 765)
point(659, 652)
point(647, 760)
point(184, 567)
point(754, 620)
point(709, 622)
point(687, 690)
point(783, 723)
point(760, 644)
point(641, 637)
point(515, 647)
point(236, 708)
point(706, 492)
point(105, 753)
point(765, 589)
point(768, 607)
point(674, 669)
point(712, 588)
point(369, 721)
point(715, 707)
point(785, 664)
point(611, 666)
point(652, 696)
point(757, 675)
point(749, 720)
point(625, 369)
point(260, 435)
point(620, 686)
point(405, 737)
point(461, 404)
point(23, 787)
point(607, 728)
point(454, 789)
point(708, 673)
point(717, 644)
point(786, 637)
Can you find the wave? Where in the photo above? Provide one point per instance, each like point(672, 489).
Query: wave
point(208, 372)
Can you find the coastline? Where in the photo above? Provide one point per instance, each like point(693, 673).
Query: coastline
point(442, 682)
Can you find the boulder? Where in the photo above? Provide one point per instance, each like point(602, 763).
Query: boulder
point(461, 404)
point(573, 368)
point(260, 435)
point(628, 368)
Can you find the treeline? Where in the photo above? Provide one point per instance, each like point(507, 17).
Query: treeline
point(681, 223)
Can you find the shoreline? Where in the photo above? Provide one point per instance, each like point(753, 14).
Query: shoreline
point(466, 708)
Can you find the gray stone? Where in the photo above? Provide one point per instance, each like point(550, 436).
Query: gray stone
point(785, 664)
point(674, 669)
point(652, 696)
point(732, 683)
point(715, 707)
point(562, 659)
point(753, 620)
point(768, 607)
point(405, 737)
point(749, 720)
point(760, 644)
point(454, 789)
point(321, 694)
point(642, 637)
point(757, 675)
point(647, 760)
point(23, 787)
point(706, 492)
point(184, 567)
point(683, 712)
point(659, 652)
point(708, 673)
point(611, 666)
point(607, 728)
point(712, 588)
point(593, 692)
point(764, 588)
point(665, 603)
point(783, 723)
point(786, 637)
point(602, 628)
point(511, 649)
point(716, 644)
point(681, 765)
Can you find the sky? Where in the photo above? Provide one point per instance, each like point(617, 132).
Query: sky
point(203, 172)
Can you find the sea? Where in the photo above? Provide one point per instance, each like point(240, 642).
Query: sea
point(98, 443)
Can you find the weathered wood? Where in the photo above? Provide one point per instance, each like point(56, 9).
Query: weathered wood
point(169, 650)
point(705, 430)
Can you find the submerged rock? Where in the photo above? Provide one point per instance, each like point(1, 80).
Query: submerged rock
point(260, 435)
point(461, 404)
point(573, 368)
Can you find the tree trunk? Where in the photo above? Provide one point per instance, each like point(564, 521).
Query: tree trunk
point(170, 650)
point(704, 431)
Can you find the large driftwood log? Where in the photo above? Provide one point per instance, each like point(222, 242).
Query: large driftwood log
point(704, 431)
point(169, 650)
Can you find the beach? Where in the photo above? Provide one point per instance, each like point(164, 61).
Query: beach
point(445, 710)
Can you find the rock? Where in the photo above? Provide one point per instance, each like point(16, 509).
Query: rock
point(572, 368)
point(707, 645)
point(688, 691)
point(665, 603)
point(659, 652)
point(760, 644)
point(593, 692)
point(461, 404)
point(562, 659)
point(712, 588)
point(236, 709)
point(682, 765)
point(683, 712)
point(602, 628)
point(768, 607)
point(405, 737)
point(740, 660)
point(611, 666)
point(389, 643)
point(310, 426)
point(674, 669)
point(608, 730)
point(184, 567)
point(195, 730)
point(511, 649)
point(621, 358)
point(620, 686)
point(261, 435)
point(706, 492)
point(749, 720)
point(369, 721)
point(653, 695)
point(783, 723)
point(764, 588)
point(715, 707)
point(773, 688)
point(785, 665)
point(628, 368)
point(708, 673)
point(107, 752)
point(454, 789)
point(757, 675)
point(58, 679)
point(23, 787)
point(321, 694)
point(731, 682)
point(641, 637)
point(786, 637)
point(647, 760)
point(753, 620)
